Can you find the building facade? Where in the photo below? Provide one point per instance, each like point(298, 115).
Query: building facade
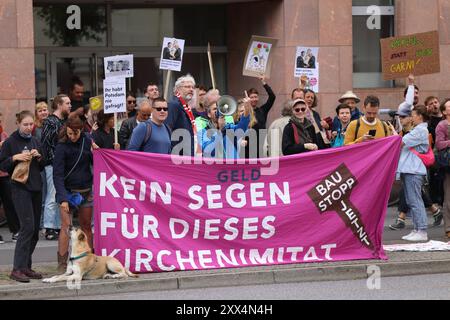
point(41, 50)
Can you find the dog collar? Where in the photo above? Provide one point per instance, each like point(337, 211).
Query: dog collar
point(79, 257)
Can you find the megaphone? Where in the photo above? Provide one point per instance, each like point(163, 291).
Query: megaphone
point(226, 106)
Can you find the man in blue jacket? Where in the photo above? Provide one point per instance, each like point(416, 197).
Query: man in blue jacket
point(181, 116)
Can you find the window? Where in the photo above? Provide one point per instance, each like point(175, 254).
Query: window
point(141, 26)
point(51, 30)
point(367, 65)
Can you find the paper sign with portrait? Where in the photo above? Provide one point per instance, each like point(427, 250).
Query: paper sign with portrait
point(307, 67)
point(172, 54)
point(258, 59)
point(119, 66)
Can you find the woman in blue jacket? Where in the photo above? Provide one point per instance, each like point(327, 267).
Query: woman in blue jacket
point(73, 177)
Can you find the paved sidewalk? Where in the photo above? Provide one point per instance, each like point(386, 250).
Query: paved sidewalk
point(399, 264)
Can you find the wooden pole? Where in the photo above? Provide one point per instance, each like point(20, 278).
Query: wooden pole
point(166, 88)
point(211, 69)
point(116, 140)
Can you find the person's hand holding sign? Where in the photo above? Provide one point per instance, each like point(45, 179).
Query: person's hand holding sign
point(263, 79)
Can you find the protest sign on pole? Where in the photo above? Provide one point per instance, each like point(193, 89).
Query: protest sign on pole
point(416, 54)
point(171, 59)
point(114, 99)
point(307, 67)
point(119, 66)
point(155, 214)
point(258, 59)
point(172, 54)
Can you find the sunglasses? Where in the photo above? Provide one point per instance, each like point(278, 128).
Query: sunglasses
point(300, 109)
point(162, 109)
point(131, 101)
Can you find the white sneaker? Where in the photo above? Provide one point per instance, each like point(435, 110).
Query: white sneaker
point(419, 236)
point(409, 235)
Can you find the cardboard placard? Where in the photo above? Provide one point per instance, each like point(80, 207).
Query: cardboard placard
point(258, 59)
point(416, 54)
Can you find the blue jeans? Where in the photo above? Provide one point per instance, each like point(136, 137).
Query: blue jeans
point(412, 184)
point(52, 220)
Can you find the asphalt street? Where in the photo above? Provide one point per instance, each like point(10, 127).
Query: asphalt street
point(424, 287)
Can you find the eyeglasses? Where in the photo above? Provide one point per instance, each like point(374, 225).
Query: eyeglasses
point(131, 101)
point(188, 87)
point(300, 109)
point(162, 109)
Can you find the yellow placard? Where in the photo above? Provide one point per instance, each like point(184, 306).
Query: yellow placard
point(96, 103)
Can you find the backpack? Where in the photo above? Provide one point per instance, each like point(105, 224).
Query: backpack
point(358, 125)
point(148, 134)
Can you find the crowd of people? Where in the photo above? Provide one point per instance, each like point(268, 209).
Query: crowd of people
point(57, 146)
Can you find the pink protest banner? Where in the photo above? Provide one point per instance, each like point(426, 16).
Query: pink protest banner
point(330, 205)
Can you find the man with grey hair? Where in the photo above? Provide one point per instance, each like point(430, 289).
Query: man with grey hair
point(272, 146)
point(144, 111)
point(180, 113)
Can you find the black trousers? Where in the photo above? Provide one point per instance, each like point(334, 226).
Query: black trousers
point(28, 207)
point(8, 206)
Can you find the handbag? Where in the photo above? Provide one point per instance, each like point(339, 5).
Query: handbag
point(443, 158)
point(427, 158)
point(21, 172)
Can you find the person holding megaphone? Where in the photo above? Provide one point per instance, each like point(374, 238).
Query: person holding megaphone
point(217, 136)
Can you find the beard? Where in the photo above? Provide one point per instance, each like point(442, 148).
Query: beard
point(188, 97)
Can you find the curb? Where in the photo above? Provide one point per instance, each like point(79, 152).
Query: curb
point(223, 278)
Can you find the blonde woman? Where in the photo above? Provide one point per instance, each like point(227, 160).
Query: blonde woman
point(40, 113)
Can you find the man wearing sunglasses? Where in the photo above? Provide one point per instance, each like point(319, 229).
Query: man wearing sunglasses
point(153, 135)
point(144, 111)
point(131, 104)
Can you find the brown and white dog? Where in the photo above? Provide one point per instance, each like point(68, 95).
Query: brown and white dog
point(83, 264)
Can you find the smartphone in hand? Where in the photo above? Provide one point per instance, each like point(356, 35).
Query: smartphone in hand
point(373, 132)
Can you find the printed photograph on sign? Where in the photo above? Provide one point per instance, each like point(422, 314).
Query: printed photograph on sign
point(306, 58)
point(119, 66)
point(307, 67)
point(258, 58)
point(172, 54)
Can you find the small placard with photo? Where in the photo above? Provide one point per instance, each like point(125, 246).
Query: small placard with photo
point(172, 54)
point(119, 66)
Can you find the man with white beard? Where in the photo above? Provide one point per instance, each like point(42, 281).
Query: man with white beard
point(181, 115)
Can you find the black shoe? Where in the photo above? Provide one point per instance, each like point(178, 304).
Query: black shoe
point(50, 234)
point(15, 236)
point(438, 216)
point(1, 240)
point(398, 225)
